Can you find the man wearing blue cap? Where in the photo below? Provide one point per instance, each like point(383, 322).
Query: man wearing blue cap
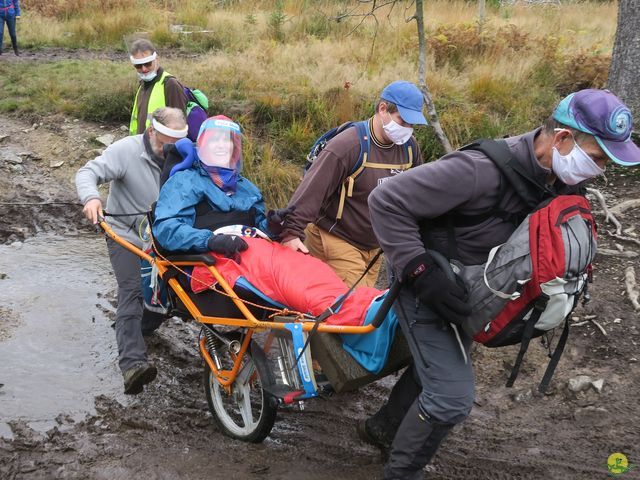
point(331, 215)
point(586, 130)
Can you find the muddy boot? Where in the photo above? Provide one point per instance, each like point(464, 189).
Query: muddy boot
point(137, 377)
point(376, 433)
point(380, 429)
point(151, 321)
point(416, 443)
point(15, 50)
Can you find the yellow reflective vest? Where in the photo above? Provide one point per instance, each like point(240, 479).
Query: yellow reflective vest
point(156, 100)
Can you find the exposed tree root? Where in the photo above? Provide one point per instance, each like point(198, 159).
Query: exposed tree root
point(624, 206)
point(632, 287)
point(615, 253)
point(608, 216)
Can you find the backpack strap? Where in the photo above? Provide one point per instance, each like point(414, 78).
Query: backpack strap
point(555, 358)
point(527, 335)
point(364, 135)
point(531, 191)
point(194, 96)
point(409, 147)
point(364, 138)
point(528, 189)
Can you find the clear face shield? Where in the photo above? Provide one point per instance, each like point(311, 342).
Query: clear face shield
point(219, 144)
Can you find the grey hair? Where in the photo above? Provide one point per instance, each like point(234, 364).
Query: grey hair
point(550, 124)
point(170, 117)
point(141, 45)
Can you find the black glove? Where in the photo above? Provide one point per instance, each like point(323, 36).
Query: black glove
point(229, 245)
point(434, 288)
point(276, 218)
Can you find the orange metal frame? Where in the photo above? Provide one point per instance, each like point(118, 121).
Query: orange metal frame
point(250, 322)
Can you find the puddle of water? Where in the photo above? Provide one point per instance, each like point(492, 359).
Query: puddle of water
point(62, 352)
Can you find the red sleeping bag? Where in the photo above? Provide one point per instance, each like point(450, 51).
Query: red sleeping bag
point(301, 282)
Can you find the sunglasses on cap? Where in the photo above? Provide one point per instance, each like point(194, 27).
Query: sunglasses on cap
point(140, 65)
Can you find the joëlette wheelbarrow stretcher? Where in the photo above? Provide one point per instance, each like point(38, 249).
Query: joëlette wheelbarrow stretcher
point(246, 382)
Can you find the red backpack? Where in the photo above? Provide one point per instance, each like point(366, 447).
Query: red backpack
point(531, 283)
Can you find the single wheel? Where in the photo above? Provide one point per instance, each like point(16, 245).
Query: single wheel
point(247, 412)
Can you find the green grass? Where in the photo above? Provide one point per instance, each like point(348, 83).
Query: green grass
point(91, 90)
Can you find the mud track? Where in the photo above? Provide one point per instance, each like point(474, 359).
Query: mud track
point(53, 54)
point(167, 432)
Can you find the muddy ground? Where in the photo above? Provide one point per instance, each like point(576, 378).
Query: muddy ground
point(168, 433)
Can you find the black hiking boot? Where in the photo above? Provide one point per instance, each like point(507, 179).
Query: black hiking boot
point(137, 377)
point(376, 435)
point(15, 50)
point(151, 321)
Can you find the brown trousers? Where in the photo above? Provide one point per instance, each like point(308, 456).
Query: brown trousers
point(348, 261)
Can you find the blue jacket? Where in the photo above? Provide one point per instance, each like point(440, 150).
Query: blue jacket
point(9, 8)
point(176, 208)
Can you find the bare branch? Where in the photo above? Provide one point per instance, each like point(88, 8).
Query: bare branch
point(341, 16)
point(376, 5)
point(407, 9)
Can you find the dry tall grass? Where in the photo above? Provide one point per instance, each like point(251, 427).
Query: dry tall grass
point(279, 66)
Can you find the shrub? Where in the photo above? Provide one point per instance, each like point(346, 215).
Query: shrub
point(318, 25)
point(66, 9)
point(457, 44)
point(512, 37)
point(583, 70)
point(499, 95)
point(276, 22)
point(276, 179)
point(112, 106)
point(452, 44)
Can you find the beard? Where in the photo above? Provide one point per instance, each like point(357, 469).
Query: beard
point(156, 146)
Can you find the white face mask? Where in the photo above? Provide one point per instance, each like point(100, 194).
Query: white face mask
point(396, 132)
point(147, 77)
point(574, 167)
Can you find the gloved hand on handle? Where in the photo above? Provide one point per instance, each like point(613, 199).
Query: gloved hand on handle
point(435, 289)
point(276, 218)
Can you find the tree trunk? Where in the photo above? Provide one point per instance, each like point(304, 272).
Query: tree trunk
point(482, 14)
point(422, 83)
point(624, 73)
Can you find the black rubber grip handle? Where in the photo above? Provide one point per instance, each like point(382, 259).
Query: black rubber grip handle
point(392, 294)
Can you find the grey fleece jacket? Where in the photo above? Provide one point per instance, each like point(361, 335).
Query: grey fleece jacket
point(134, 177)
point(466, 182)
